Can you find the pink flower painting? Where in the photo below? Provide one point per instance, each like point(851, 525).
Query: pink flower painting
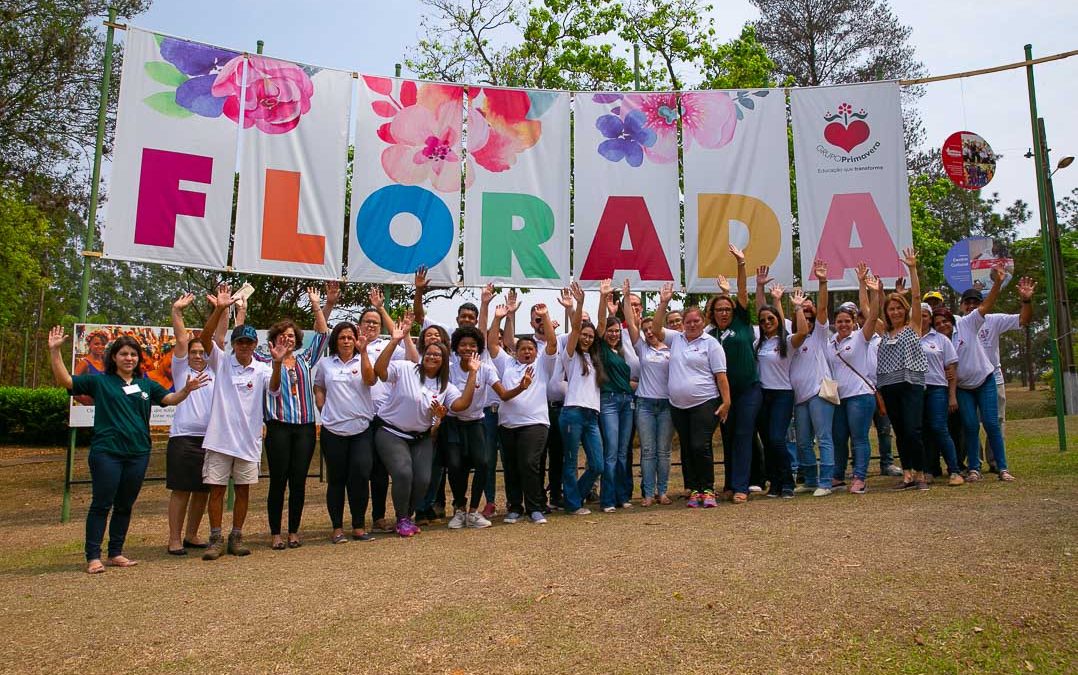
point(499, 127)
point(278, 93)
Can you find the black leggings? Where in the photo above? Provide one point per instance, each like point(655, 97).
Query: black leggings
point(408, 463)
point(348, 469)
point(289, 449)
point(905, 409)
point(522, 448)
point(553, 454)
point(465, 449)
point(695, 427)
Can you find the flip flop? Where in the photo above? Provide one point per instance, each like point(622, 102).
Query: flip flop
point(190, 544)
point(279, 546)
point(99, 568)
point(125, 563)
point(294, 543)
point(177, 551)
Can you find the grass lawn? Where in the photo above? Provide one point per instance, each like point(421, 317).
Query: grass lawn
point(978, 578)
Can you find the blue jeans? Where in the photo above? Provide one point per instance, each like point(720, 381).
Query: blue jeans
point(737, 433)
point(983, 398)
point(814, 421)
point(580, 425)
point(656, 431)
point(938, 437)
point(490, 431)
point(772, 424)
point(616, 425)
point(852, 422)
point(115, 482)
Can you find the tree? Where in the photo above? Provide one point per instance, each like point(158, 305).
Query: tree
point(24, 231)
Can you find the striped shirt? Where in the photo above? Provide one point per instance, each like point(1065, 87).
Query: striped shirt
point(901, 359)
point(294, 403)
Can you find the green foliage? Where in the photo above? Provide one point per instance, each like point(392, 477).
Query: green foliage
point(33, 416)
point(25, 233)
point(927, 229)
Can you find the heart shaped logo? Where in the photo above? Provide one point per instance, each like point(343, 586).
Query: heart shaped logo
point(846, 137)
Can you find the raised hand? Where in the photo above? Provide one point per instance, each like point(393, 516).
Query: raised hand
point(555, 324)
point(797, 297)
point(241, 306)
point(500, 312)
point(541, 310)
point(737, 253)
point(577, 291)
point(408, 320)
point(999, 272)
point(421, 282)
point(469, 363)
point(333, 292)
point(487, 294)
point(763, 275)
point(900, 286)
point(1026, 286)
point(195, 382)
point(184, 301)
point(666, 292)
point(611, 305)
point(361, 343)
point(862, 270)
point(776, 292)
point(315, 298)
point(279, 349)
point(909, 256)
point(222, 297)
point(606, 286)
point(872, 283)
point(376, 297)
point(526, 379)
point(56, 337)
point(511, 301)
point(438, 410)
point(565, 299)
point(819, 270)
point(724, 284)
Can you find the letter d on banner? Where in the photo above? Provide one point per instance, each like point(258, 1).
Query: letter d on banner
point(716, 213)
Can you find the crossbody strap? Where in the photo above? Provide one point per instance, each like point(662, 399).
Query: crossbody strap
point(838, 353)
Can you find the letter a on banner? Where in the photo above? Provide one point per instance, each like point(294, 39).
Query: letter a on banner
point(853, 199)
point(170, 197)
point(626, 199)
point(406, 181)
point(293, 171)
point(516, 214)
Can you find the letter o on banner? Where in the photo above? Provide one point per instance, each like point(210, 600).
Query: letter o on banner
point(377, 213)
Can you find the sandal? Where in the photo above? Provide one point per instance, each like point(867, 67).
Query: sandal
point(338, 538)
point(1006, 475)
point(279, 546)
point(187, 543)
point(95, 567)
point(177, 551)
point(121, 561)
point(664, 500)
point(294, 543)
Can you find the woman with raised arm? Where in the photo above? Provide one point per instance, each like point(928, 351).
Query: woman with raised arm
point(653, 421)
point(900, 378)
point(420, 395)
point(290, 418)
point(615, 407)
point(523, 421)
point(731, 325)
point(851, 358)
point(941, 398)
point(580, 415)
point(813, 415)
point(120, 448)
point(773, 353)
point(699, 396)
point(342, 391)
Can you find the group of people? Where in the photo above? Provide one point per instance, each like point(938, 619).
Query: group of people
point(401, 418)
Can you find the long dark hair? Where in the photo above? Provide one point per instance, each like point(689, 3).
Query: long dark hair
point(443, 372)
point(593, 352)
point(335, 333)
point(781, 334)
point(114, 349)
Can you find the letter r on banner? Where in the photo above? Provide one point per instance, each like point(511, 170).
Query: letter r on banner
point(160, 199)
point(281, 238)
point(500, 242)
point(716, 211)
point(606, 255)
point(857, 210)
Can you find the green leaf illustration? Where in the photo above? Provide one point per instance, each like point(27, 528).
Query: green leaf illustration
point(165, 73)
point(165, 103)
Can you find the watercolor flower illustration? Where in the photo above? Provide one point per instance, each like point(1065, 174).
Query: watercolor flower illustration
point(500, 127)
point(625, 137)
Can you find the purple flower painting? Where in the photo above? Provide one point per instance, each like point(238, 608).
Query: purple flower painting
point(626, 137)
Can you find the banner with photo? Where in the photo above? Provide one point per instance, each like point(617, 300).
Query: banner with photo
point(736, 160)
point(516, 213)
point(293, 170)
point(171, 185)
point(626, 199)
point(406, 181)
point(852, 193)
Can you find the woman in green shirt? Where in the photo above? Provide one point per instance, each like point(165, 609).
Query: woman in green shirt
point(120, 449)
point(615, 409)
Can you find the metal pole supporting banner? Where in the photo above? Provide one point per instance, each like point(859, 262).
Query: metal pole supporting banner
point(91, 225)
point(1049, 272)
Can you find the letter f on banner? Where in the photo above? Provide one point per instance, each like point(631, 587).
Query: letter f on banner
point(160, 199)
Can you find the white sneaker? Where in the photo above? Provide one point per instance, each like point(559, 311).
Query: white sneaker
point(580, 512)
point(754, 489)
point(802, 489)
point(609, 509)
point(538, 518)
point(457, 521)
point(476, 520)
point(512, 517)
point(627, 505)
point(821, 492)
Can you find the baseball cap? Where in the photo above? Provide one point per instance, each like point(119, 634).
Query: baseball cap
point(244, 332)
point(925, 307)
point(932, 295)
point(972, 294)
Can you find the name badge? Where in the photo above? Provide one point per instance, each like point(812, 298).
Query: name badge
point(132, 389)
point(341, 376)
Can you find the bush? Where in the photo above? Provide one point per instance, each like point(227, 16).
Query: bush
point(33, 416)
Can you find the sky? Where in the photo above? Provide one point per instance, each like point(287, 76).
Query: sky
point(949, 36)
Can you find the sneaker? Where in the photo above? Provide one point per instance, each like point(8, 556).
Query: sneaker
point(891, 470)
point(512, 517)
point(235, 544)
point(580, 512)
point(476, 520)
point(821, 492)
point(489, 510)
point(384, 525)
point(406, 528)
point(609, 509)
point(754, 489)
point(627, 505)
point(457, 521)
point(804, 489)
point(973, 476)
point(858, 486)
point(538, 518)
point(1006, 476)
point(787, 493)
point(216, 548)
point(904, 485)
point(707, 500)
point(956, 479)
point(695, 500)
point(922, 485)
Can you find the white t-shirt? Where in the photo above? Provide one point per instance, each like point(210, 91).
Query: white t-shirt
point(756, 331)
point(855, 349)
point(408, 405)
point(349, 408)
point(994, 324)
point(556, 384)
point(873, 355)
point(193, 414)
point(693, 365)
point(485, 378)
point(808, 363)
point(973, 363)
point(582, 390)
point(654, 379)
point(939, 353)
point(235, 426)
point(529, 406)
point(774, 369)
point(379, 392)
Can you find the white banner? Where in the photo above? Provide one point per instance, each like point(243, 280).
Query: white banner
point(736, 161)
point(516, 213)
point(293, 170)
point(406, 181)
point(627, 215)
point(170, 193)
point(853, 199)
